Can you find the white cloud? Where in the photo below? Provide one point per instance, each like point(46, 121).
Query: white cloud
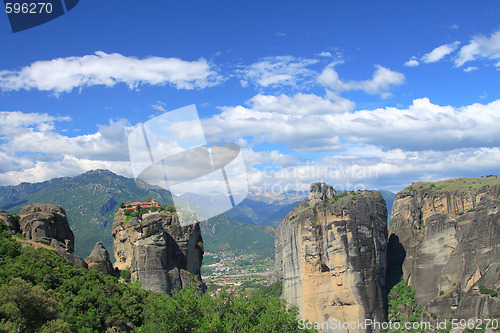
point(159, 106)
point(380, 148)
point(480, 47)
point(440, 52)
point(298, 132)
point(390, 170)
point(297, 121)
point(10, 121)
point(313, 123)
point(32, 150)
point(424, 126)
point(383, 79)
point(413, 62)
point(65, 74)
point(301, 104)
point(470, 69)
point(280, 34)
point(278, 71)
point(68, 165)
point(325, 54)
point(109, 143)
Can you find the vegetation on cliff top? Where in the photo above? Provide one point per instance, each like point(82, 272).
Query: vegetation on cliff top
point(457, 184)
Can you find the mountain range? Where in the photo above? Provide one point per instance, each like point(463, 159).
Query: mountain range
point(92, 198)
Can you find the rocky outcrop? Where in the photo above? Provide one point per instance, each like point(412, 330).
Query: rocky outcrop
point(99, 259)
point(158, 251)
point(48, 224)
point(450, 232)
point(330, 256)
point(10, 221)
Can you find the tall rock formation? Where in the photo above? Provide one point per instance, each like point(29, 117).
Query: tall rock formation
point(450, 232)
point(330, 256)
point(99, 259)
point(159, 252)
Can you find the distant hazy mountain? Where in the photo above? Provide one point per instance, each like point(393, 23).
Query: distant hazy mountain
point(389, 198)
point(221, 233)
point(266, 208)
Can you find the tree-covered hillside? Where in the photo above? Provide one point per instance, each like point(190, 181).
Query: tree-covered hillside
point(40, 292)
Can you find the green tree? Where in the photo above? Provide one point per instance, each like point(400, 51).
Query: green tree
point(186, 311)
point(29, 307)
point(170, 209)
point(56, 326)
point(8, 246)
point(402, 306)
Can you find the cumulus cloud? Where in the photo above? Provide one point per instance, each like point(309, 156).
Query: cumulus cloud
point(383, 79)
point(325, 54)
point(423, 126)
point(480, 47)
point(68, 165)
point(31, 149)
point(65, 74)
point(413, 62)
point(378, 148)
point(297, 121)
point(301, 104)
point(371, 168)
point(10, 121)
point(296, 131)
point(316, 124)
point(278, 71)
point(159, 106)
point(440, 52)
point(470, 69)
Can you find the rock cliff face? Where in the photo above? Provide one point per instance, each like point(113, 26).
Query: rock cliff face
point(99, 259)
point(158, 251)
point(450, 231)
point(46, 224)
point(10, 221)
point(330, 256)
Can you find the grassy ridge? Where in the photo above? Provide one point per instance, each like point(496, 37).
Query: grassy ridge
point(457, 184)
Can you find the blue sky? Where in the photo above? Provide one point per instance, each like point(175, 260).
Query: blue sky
point(354, 93)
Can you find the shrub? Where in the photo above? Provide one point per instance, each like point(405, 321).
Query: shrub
point(129, 212)
point(125, 275)
point(170, 208)
point(485, 291)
